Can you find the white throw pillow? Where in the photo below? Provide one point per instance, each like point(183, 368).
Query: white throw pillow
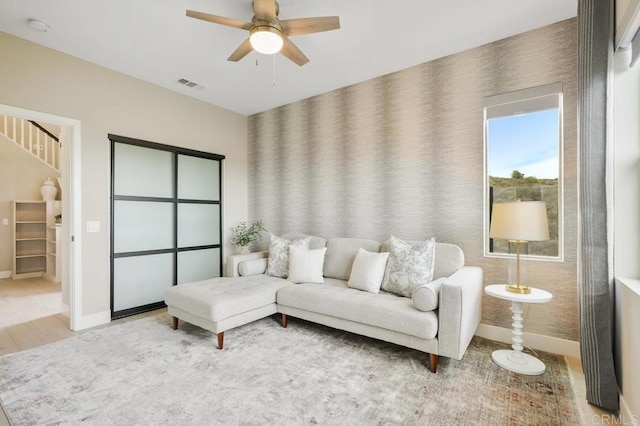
point(368, 270)
point(305, 266)
point(278, 265)
point(408, 267)
point(425, 297)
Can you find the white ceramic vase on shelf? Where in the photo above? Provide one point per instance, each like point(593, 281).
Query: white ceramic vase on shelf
point(48, 190)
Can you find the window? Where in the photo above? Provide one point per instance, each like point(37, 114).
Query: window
point(523, 160)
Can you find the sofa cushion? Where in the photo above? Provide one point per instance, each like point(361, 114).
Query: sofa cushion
point(368, 270)
point(408, 266)
point(305, 266)
point(252, 267)
point(425, 297)
point(341, 252)
point(219, 298)
point(448, 259)
point(384, 310)
point(278, 264)
point(314, 242)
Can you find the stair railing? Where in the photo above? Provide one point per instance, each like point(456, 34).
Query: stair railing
point(33, 138)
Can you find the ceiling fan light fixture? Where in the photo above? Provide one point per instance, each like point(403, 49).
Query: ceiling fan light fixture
point(266, 39)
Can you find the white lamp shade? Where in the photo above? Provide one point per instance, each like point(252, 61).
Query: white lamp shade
point(266, 40)
point(523, 221)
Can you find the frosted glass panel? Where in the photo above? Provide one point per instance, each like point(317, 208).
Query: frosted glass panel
point(141, 280)
point(198, 224)
point(142, 171)
point(140, 225)
point(198, 178)
point(198, 265)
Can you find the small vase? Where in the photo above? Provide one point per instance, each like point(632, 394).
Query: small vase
point(244, 250)
point(48, 190)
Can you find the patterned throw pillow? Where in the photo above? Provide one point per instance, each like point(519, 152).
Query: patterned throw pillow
point(278, 265)
point(408, 267)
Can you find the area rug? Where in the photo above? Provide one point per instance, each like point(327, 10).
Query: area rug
point(144, 373)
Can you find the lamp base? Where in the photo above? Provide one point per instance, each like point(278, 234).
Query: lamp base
point(516, 288)
point(518, 362)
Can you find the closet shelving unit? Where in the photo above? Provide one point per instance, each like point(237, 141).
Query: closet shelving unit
point(30, 239)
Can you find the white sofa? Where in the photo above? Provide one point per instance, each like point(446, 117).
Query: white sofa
point(444, 331)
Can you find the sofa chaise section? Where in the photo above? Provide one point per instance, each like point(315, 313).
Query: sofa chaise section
point(219, 304)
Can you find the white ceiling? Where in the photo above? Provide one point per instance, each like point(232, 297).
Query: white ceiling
point(154, 41)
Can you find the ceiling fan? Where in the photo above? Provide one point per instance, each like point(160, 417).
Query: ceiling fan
point(268, 34)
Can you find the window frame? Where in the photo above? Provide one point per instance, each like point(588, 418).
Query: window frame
point(511, 104)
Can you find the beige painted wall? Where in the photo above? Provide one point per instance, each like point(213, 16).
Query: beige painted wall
point(21, 177)
point(42, 79)
point(402, 155)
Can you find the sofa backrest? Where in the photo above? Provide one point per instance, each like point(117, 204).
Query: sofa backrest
point(315, 243)
point(341, 252)
point(449, 258)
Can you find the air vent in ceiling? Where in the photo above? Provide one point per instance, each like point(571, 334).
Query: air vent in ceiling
point(191, 84)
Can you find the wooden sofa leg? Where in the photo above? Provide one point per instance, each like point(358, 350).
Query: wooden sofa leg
point(433, 362)
point(221, 340)
point(175, 323)
point(285, 320)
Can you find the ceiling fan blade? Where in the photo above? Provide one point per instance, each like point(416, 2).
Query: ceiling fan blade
point(292, 52)
point(229, 22)
point(243, 50)
point(294, 27)
point(265, 9)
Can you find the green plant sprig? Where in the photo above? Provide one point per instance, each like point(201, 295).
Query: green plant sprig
point(243, 234)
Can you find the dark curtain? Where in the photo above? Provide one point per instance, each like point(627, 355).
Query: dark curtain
point(595, 275)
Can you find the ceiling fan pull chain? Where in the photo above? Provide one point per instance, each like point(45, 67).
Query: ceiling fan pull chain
point(274, 70)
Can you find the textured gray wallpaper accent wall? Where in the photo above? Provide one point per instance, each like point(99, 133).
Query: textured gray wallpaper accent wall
point(402, 154)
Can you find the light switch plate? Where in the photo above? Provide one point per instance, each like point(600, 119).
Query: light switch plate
point(5, 221)
point(93, 226)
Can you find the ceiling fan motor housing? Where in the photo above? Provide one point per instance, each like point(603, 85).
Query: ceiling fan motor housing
point(263, 25)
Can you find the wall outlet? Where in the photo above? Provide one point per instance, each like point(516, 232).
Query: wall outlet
point(93, 226)
point(5, 221)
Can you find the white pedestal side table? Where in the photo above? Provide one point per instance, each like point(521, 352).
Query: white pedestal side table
point(514, 360)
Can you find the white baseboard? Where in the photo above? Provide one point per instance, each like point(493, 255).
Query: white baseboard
point(549, 344)
point(92, 320)
point(5, 274)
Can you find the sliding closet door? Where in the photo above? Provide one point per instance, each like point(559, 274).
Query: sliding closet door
point(165, 221)
point(199, 224)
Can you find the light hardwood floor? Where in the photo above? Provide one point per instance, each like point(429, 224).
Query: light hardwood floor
point(30, 316)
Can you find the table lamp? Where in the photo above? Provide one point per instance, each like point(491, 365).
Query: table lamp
point(519, 222)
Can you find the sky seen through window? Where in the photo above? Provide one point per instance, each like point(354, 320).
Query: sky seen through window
point(527, 143)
